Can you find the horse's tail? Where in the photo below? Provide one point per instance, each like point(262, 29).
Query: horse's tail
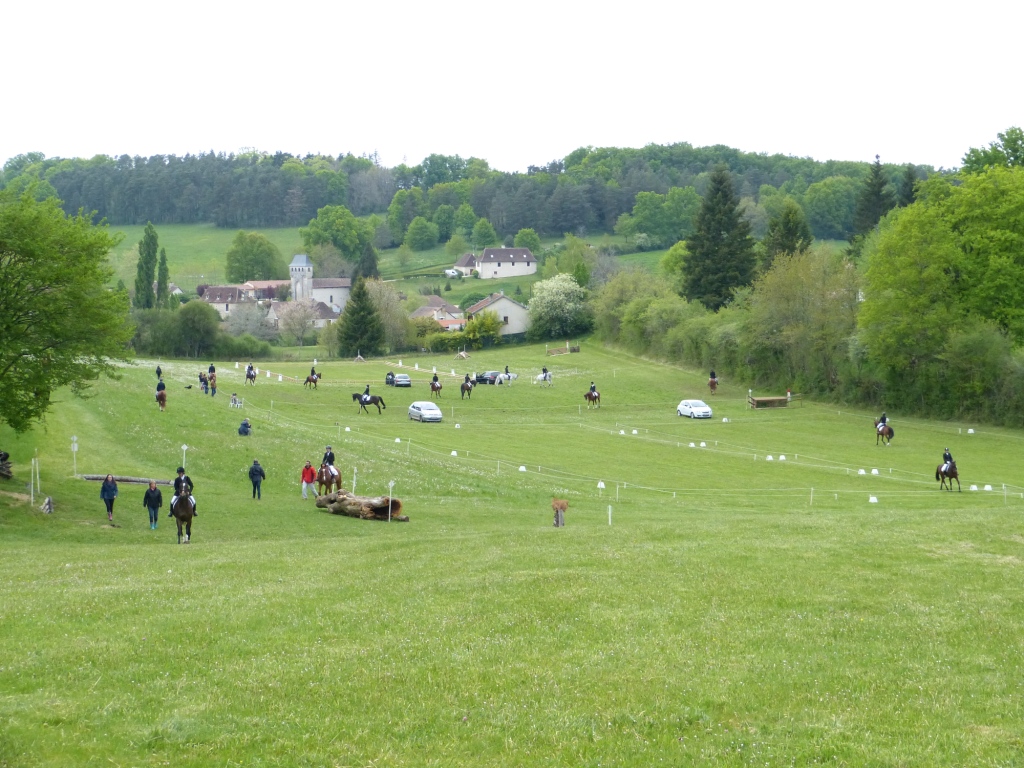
point(938, 472)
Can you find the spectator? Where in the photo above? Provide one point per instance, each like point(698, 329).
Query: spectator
point(152, 501)
point(257, 476)
point(108, 492)
point(308, 478)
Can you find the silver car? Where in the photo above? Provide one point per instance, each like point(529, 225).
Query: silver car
point(695, 409)
point(424, 410)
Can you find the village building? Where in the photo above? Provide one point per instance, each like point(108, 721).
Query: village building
point(266, 289)
point(324, 314)
point(498, 263)
point(332, 291)
point(225, 298)
point(514, 317)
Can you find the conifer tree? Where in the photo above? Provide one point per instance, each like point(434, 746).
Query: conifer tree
point(788, 232)
point(874, 201)
point(163, 279)
point(367, 265)
point(145, 270)
point(906, 194)
point(360, 330)
point(720, 252)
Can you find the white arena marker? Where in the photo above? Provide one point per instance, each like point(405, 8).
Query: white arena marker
point(974, 487)
point(769, 458)
point(398, 439)
point(703, 444)
point(348, 429)
point(435, 369)
point(256, 370)
point(399, 363)
point(692, 445)
point(970, 431)
point(782, 457)
point(417, 366)
point(725, 421)
point(522, 469)
point(988, 487)
point(874, 471)
point(872, 499)
point(622, 431)
point(455, 453)
point(453, 371)
point(634, 432)
point(280, 377)
point(268, 374)
point(458, 426)
point(861, 472)
point(236, 365)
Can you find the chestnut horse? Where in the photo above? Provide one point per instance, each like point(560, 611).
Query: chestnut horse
point(183, 512)
point(357, 397)
point(326, 479)
point(713, 385)
point(592, 398)
point(312, 380)
point(161, 399)
point(885, 434)
point(467, 390)
point(435, 388)
point(950, 473)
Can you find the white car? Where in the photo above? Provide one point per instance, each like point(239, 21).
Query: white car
point(452, 273)
point(424, 410)
point(695, 409)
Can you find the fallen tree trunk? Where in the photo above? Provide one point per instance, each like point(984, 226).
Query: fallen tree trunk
point(364, 507)
point(128, 479)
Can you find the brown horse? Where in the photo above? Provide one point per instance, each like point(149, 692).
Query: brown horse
point(183, 512)
point(885, 434)
point(592, 398)
point(713, 385)
point(435, 389)
point(467, 390)
point(161, 399)
point(312, 380)
point(326, 479)
point(250, 377)
point(357, 397)
point(950, 473)
point(559, 506)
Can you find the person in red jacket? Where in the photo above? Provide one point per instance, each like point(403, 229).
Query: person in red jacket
point(308, 478)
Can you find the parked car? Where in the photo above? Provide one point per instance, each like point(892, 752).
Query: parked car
point(402, 380)
point(695, 409)
point(452, 273)
point(424, 410)
point(487, 377)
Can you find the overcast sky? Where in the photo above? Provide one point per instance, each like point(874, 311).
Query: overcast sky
point(515, 83)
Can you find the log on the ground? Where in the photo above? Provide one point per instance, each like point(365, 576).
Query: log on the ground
point(128, 479)
point(364, 507)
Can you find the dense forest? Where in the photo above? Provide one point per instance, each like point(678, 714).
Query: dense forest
point(586, 192)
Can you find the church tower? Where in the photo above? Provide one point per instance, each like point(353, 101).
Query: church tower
point(301, 270)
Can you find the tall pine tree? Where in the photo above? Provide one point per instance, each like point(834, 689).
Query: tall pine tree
point(720, 254)
point(145, 270)
point(874, 201)
point(906, 194)
point(163, 280)
point(360, 330)
point(788, 232)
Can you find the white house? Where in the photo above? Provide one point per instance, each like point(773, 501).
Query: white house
point(498, 262)
point(332, 291)
point(515, 317)
point(324, 314)
point(225, 298)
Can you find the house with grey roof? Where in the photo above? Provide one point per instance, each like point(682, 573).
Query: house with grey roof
point(515, 317)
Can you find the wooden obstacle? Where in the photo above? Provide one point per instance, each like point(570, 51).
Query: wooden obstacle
point(773, 402)
point(343, 502)
point(128, 479)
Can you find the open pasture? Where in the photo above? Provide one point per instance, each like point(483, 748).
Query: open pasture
point(725, 617)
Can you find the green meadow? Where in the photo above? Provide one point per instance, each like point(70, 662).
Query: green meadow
point(707, 606)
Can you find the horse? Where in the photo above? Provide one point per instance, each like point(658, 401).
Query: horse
point(250, 377)
point(592, 398)
point(435, 388)
point(713, 385)
point(161, 399)
point(885, 434)
point(326, 479)
point(506, 378)
point(544, 377)
point(357, 397)
point(183, 512)
point(559, 506)
point(950, 473)
point(312, 380)
point(467, 390)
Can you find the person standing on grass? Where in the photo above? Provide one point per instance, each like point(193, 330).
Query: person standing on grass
point(213, 383)
point(159, 371)
point(152, 501)
point(211, 370)
point(108, 492)
point(308, 478)
point(257, 476)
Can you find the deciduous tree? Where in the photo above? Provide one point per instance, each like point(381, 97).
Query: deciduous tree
point(484, 235)
point(336, 225)
point(559, 309)
point(197, 325)
point(59, 324)
point(393, 317)
point(444, 218)
point(527, 238)
point(1007, 151)
point(465, 219)
point(788, 232)
point(296, 318)
point(253, 257)
point(421, 235)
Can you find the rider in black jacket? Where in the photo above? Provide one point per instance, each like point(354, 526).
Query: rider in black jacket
point(182, 487)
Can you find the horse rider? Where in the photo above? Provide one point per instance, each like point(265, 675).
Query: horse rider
point(248, 370)
point(506, 371)
point(328, 459)
point(434, 380)
point(245, 428)
point(544, 373)
point(882, 422)
point(593, 390)
point(182, 487)
point(312, 372)
point(366, 394)
point(211, 370)
point(713, 377)
point(467, 381)
point(947, 460)
point(160, 386)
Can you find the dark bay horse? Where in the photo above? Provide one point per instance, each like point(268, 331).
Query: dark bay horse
point(312, 380)
point(161, 399)
point(357, 397)
point(885, 434)
point(250, 377)
point(950, 473)
point(325, 479)
point(467, 390)
point(183, 512)
point(593, 399)
point(435, 388)
point(713, 385)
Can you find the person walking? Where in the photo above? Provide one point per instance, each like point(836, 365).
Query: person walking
point(257, 476)
point(211, 370)
point(108, 492)
point(152, 501)
point(308, 478)
point(213, 383)
point(159, 371)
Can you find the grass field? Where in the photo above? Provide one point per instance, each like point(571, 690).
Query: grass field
point(721, 613)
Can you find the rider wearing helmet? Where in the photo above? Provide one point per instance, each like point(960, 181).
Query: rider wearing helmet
point(593, 389)
point(182, 487)
point(366, 394)
point(947, 459)
point(328, 459)
point(881, 422)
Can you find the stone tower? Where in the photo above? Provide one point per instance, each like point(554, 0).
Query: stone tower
point(301, 270)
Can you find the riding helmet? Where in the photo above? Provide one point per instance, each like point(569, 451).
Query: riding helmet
point(181, 469)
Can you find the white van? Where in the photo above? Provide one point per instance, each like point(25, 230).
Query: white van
point(452, 273)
